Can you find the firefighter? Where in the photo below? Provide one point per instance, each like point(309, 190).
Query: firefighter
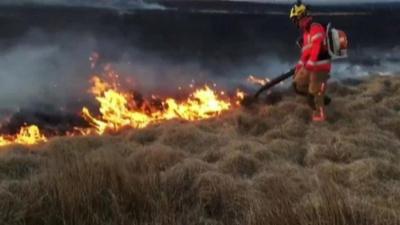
point(314, 66)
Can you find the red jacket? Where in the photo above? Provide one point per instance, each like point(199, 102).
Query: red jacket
point(314, 53)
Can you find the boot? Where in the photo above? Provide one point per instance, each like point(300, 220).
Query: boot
point(319, 115)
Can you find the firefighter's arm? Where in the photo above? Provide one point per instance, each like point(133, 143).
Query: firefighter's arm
point(317, 37)
point(305, 55)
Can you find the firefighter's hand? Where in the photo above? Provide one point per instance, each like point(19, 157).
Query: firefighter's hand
point(309, 66)
point(297, 71)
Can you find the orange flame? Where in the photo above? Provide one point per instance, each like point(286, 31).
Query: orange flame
point(254, 80)
point(3, 141)
point(28, 135)
point(119, 109)
point(240, 95)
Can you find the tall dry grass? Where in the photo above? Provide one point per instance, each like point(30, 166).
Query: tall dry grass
point(266, 165)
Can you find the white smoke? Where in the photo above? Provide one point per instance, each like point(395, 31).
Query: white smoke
point(53, 71)
point(369, 61)
point(56, 69)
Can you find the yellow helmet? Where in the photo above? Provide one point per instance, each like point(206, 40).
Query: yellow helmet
point(298, 10)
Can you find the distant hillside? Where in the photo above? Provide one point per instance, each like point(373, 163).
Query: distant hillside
point(266, 165)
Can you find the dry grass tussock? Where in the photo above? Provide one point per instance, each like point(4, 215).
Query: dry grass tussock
point(267, 165)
